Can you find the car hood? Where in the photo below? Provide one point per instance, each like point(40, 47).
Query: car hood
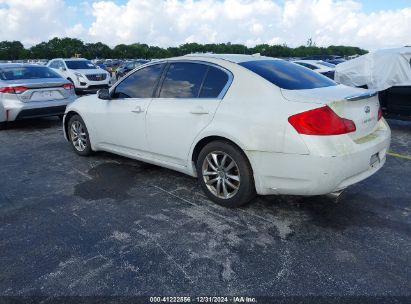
point(90, 71)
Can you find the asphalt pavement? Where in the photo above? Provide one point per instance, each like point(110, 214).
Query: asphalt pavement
point(106, 225)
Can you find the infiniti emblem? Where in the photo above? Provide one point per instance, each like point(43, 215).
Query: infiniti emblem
point(367, 109)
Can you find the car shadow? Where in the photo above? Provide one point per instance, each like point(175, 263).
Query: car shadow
point(34, 123)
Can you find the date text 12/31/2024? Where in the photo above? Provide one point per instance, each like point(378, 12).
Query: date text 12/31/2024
point(214, 299)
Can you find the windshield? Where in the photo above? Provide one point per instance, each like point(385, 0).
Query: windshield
point(17, 73)
point(288, 75)
point(80, 65)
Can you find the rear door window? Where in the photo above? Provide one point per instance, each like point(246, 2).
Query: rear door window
point(288, 75)
point(183, 80)
point(214, 83)
point(140, 84)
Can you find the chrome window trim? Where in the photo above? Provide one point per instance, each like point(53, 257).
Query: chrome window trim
point(169, 61)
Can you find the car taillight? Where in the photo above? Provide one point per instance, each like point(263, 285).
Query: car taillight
point(68, 86)
point(13, 90)
point(379, 113)
point(321, 121)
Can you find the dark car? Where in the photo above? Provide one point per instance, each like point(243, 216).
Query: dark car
point(396, 102)
point(128, 66)
point(322, 57)
point(336, 61)
point(103, 66)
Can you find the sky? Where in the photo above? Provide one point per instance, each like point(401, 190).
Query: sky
point(370, 24)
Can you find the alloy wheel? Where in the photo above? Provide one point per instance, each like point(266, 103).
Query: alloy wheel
point(221, 174)
point(78, 136)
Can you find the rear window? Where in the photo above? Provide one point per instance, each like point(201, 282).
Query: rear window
point(17, 73)
point(288, 75)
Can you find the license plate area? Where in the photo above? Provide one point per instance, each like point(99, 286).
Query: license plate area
point(374, 160)
point(46, 95)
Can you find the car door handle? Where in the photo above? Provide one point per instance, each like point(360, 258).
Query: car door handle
point(137, 110)
point(199, 110)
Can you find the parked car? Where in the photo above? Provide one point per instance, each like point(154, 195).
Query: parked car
point(103, 66)
point(387, 71)
point(319, 66)
point(85, 76)
point(336, 61)
point(333, 59)
point(322, 57)
point(112, 64)
point(242, 124)
point(128, 66)
point(28, 91)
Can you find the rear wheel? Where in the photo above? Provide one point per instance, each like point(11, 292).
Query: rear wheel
point(78, 135)
point(225, 174)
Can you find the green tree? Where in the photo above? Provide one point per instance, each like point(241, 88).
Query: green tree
point(69, 47)
point(12, 50)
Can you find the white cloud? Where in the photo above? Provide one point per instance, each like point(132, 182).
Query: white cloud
point(172, 22)
point(32, 21)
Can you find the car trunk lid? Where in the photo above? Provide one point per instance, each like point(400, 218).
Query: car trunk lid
point(358, 105)
point(40, 90)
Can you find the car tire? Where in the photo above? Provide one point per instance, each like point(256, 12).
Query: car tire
point(225, 174)
point(79, 136)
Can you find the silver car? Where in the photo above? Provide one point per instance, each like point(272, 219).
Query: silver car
point(28, 91)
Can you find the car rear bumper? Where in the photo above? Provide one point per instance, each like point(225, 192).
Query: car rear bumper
point(20, 110)
point(314, 174)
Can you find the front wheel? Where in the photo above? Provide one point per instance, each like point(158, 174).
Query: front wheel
point(78, 135)
point(225, 174)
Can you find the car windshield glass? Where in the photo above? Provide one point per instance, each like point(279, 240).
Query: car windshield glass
point(288, 75)
point(80, 65)
point(327, 64)
point(17, 73)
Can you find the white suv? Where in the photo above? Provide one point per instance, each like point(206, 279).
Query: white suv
point(85, 76)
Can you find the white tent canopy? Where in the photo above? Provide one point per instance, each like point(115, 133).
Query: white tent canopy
point(378, 70)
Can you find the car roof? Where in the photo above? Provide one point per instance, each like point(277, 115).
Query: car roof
point(308, 61)
point(70, 59)
point(19, 65)
point(236, 58)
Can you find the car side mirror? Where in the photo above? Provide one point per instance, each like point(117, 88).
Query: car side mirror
point(103, 94)
point(62, 69)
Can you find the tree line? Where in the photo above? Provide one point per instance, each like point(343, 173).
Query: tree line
point(70, 47)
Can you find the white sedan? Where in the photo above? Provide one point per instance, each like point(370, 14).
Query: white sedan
point(242, 124)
